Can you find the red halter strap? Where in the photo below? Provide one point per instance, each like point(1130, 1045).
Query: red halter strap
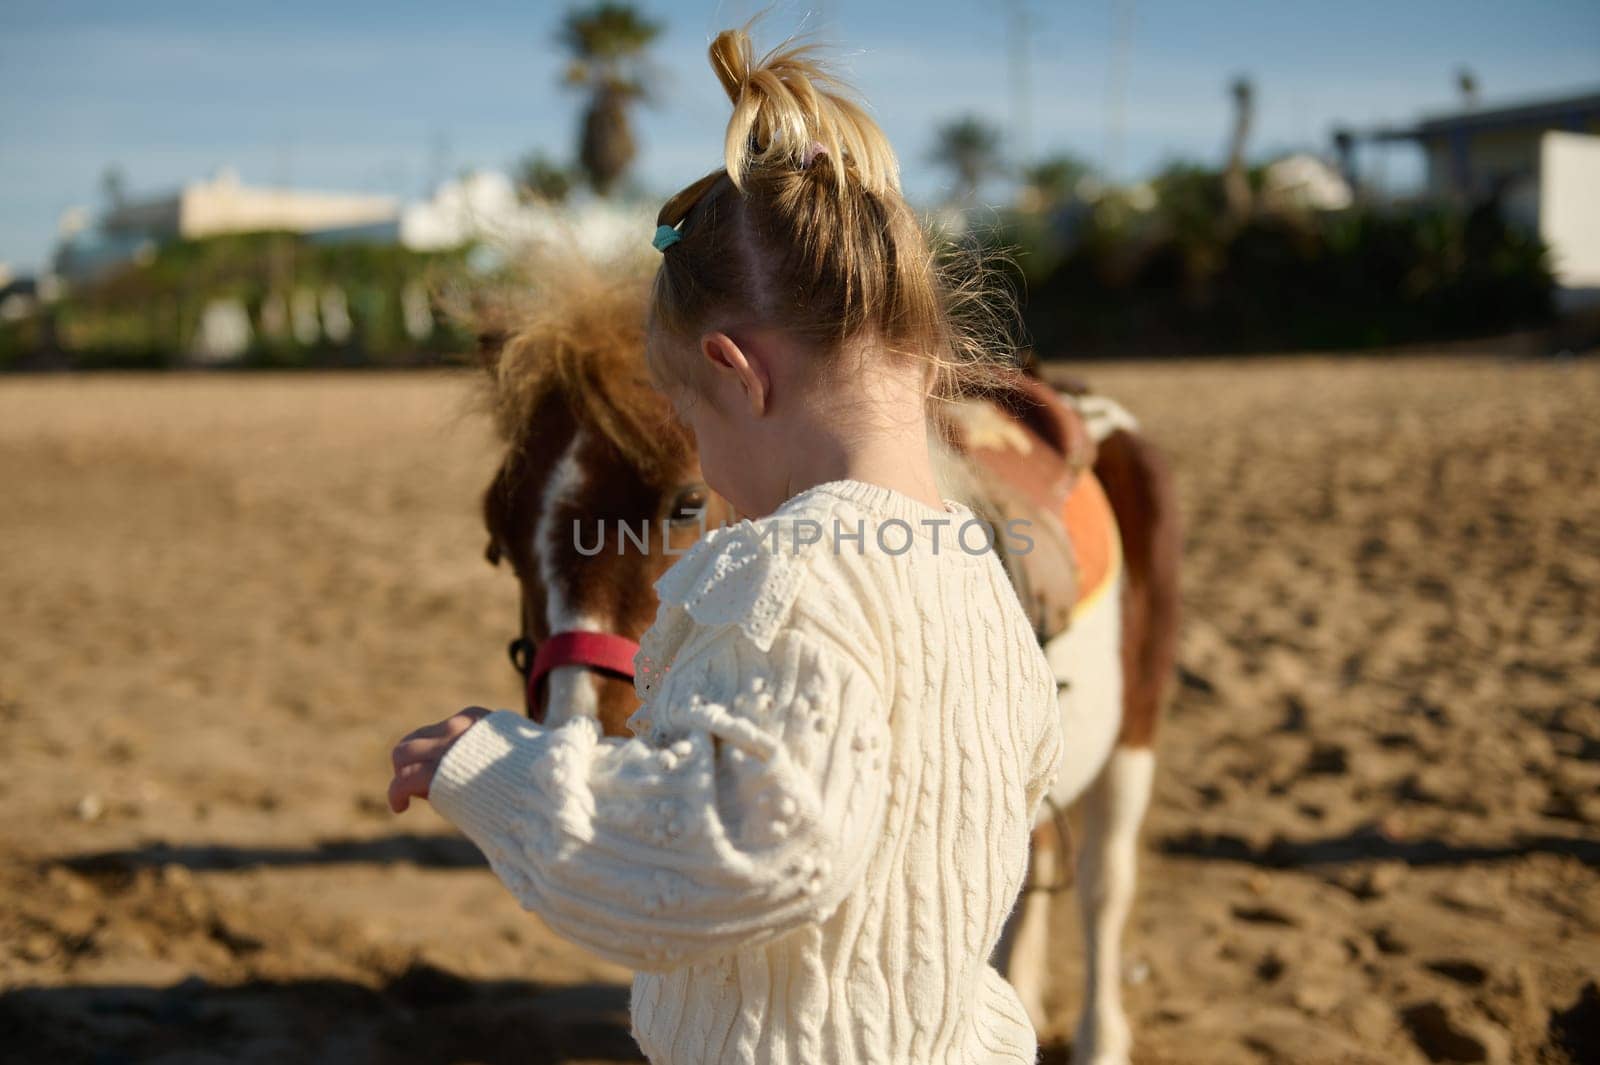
point(579, 647)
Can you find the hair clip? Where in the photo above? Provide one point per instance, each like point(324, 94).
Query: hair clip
point(665, 237)
point(814, 149)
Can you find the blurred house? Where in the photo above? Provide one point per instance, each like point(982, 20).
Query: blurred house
point(222, 205)
point(1478, 152)
point(480, 207)
point(355, 303)
point(485, 207)
point(225, 205)
point(1540, 159)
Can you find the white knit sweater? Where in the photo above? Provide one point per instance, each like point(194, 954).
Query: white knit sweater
point(809, 848)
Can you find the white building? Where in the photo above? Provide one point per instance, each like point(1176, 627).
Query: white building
point(225, 205)
point(484, 206)
point(206, 208)
point(1540, 158)
point(1567, 204)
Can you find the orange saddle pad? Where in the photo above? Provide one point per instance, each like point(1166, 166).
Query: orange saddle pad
point(1096, 547)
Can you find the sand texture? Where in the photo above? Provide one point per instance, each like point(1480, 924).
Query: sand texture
point(1376, 830)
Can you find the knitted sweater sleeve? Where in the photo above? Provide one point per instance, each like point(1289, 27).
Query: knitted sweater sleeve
point(745, 806)
point(1048, 753)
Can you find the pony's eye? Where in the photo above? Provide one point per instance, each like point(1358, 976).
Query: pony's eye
point(689, 505)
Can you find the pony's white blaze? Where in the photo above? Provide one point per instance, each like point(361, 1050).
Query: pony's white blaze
point(1087, 663)
point(570, 691)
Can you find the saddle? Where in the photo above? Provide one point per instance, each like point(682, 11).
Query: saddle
point(1028, 454)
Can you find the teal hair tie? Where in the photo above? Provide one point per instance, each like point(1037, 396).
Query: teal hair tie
point(666, 236)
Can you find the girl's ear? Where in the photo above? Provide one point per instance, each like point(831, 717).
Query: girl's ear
point(728, 358)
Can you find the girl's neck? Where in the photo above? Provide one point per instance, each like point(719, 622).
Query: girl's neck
point(878, 433)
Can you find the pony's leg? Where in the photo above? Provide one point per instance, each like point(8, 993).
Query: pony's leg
point(1139, 486)
point(1113, 808)
point(1086, 661)
point(1023, 951)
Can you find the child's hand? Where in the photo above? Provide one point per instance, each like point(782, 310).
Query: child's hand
point(419, 753)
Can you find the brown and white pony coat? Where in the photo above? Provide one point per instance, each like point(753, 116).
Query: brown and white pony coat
point(588, 440)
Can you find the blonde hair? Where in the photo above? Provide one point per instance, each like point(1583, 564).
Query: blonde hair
point(804, 227)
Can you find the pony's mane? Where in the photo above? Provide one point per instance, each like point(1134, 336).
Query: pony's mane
point(574, 327)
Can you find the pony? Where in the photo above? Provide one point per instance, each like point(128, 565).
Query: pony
point(589, 444)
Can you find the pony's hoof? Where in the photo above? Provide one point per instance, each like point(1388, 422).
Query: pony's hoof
point(1099, 1056)
point(1102, 1046)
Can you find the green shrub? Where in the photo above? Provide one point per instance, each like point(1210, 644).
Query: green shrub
point(1178, 279)
point(148, 314)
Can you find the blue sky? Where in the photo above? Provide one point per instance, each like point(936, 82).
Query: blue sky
point(382, 97)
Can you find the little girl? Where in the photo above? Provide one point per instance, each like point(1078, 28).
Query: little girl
point(809, 849)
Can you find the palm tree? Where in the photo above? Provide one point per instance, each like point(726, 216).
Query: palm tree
point(539, 178)
point(1055, 180)
point(114, 186)
point(970, 148)
point(1236, 184)
point(607, 43)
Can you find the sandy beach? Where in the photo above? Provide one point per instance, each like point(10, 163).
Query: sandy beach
point(1376, 831)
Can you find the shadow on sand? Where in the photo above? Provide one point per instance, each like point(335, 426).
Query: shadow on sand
point(1368, 843)
point(434, 852)
point(425, 1016)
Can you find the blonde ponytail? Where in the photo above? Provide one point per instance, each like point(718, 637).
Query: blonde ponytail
point(805, 228)
point(785, 103)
